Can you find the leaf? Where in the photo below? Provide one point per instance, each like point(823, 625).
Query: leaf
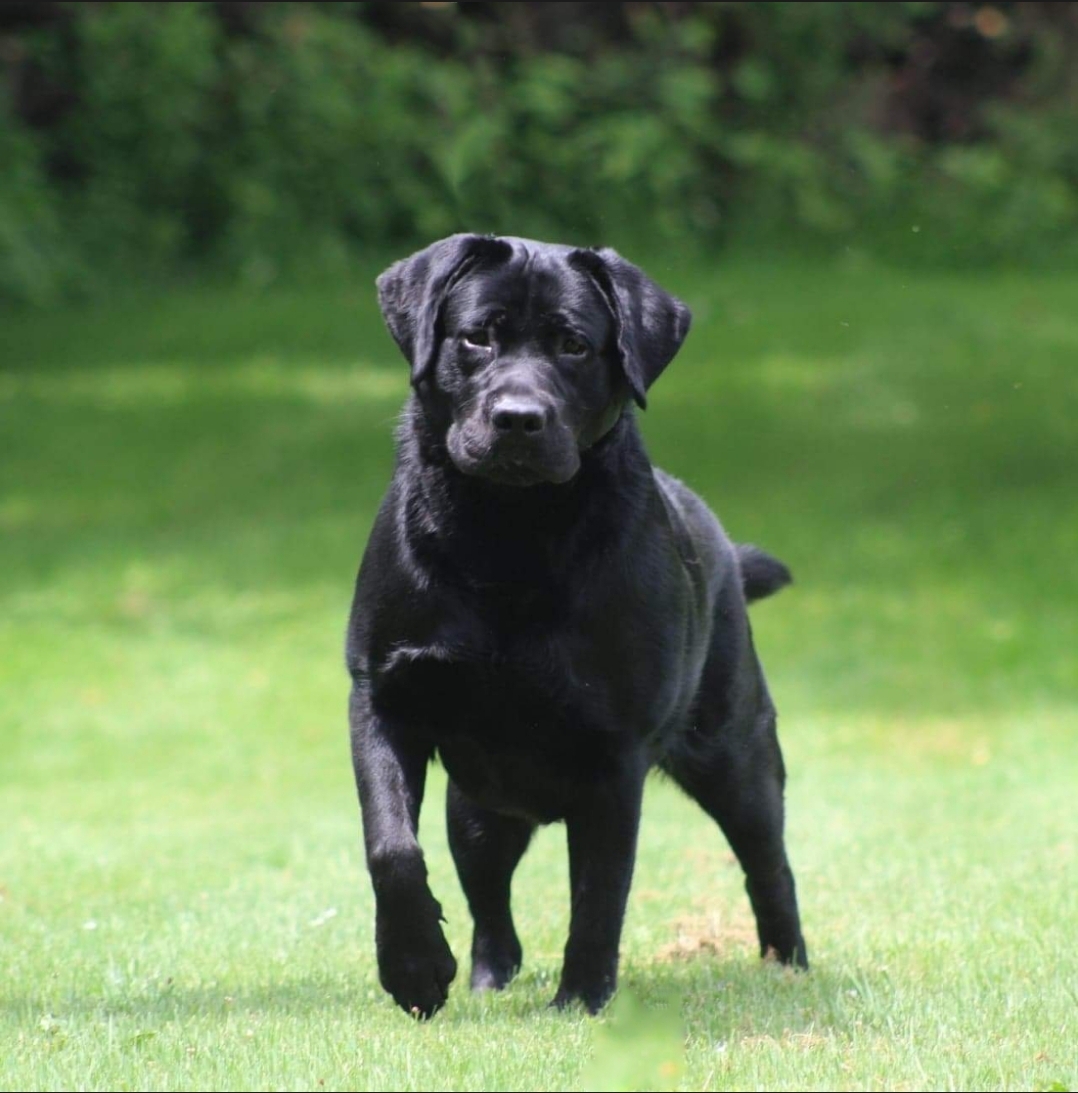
point(637, 1047)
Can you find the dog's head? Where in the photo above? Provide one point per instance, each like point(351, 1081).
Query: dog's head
point(526, 353)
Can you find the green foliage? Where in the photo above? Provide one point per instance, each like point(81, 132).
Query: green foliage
point(33, 258)
point(305, 134)
point(637, 1047)
point(139, 129)
point(323, 149)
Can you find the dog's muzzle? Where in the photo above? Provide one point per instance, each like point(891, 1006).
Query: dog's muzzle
point(516, 441)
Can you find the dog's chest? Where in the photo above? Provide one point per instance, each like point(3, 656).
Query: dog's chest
point(523, 727)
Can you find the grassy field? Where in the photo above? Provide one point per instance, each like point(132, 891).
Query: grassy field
point(185, 489)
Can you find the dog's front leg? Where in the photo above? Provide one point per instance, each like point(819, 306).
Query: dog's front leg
point(602, 849)
point(414, 961)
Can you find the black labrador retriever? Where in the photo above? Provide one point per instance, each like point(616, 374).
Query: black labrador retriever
point(549, 613)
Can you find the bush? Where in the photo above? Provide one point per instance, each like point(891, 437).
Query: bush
point(34, 263)
point(270, 139)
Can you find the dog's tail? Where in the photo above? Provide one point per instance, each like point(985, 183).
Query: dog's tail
point(761, 574)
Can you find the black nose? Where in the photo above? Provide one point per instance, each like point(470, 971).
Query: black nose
point(516, 414)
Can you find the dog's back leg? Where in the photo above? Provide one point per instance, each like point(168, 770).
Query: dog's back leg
point(487, 847)
point(737, 777)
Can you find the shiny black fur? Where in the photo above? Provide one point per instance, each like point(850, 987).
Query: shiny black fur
point(550, 614)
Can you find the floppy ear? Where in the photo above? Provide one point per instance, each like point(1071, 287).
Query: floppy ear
point(650, 323)
point(411, 292)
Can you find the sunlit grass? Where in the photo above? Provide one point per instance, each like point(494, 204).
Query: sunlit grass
point(185, 489)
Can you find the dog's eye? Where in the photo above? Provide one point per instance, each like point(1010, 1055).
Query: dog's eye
point(477, 339)
point(572, 346)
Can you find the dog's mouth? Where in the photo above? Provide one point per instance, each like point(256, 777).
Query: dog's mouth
point(507, 464)
point(512, 473)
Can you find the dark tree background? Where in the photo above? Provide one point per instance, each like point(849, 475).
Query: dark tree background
point(262, 140)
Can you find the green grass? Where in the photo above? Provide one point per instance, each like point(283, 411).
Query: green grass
point(185, 489)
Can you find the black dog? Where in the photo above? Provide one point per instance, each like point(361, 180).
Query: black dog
point(550, 613)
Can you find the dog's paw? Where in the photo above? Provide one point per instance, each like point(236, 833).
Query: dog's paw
point(593, 997)
point(789, 951)
point(494, 963)
point(416, 967)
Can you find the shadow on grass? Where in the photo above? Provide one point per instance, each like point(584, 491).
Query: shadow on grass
point(716, 1000)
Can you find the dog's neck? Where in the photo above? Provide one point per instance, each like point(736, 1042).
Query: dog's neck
point(521, 537)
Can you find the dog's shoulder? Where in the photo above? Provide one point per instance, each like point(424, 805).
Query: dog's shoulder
point(701, 540)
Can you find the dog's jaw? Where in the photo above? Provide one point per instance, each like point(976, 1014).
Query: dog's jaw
point(475, 455)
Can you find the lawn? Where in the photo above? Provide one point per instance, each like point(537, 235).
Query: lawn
point(186, 484)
